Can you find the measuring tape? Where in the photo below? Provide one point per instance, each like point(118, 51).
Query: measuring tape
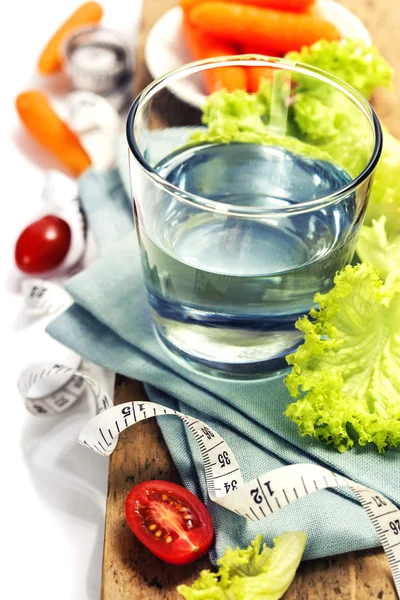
point(100, 60)
point(43, 297)
point(98, 126)
point(254, 500)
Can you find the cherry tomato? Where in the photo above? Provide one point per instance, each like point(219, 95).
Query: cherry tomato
point(170, 521)
point(43, 245)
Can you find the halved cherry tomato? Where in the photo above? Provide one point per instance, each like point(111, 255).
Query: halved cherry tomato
point(43, 245)
point(170, 521)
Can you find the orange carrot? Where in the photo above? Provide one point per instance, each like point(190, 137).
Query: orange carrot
point(256, 74)
point(290, 5)
point(243, 24)
point(203, 45)
point(89, 13)
point(264, 49)
point(50, 131)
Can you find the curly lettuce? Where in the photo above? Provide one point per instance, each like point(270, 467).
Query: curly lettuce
point(239, 117)
point(350, 60)
point(255, 573)
point(331, 122)
point(323, 124)
point(346, 375)
point(327, 119)
point(325, 116)
point(385, 192)
point(317, 114)
point(228, 113)
point(379, 240)
point(375, 247)
point(320, 115)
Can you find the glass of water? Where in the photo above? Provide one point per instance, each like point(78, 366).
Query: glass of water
point(238, 232)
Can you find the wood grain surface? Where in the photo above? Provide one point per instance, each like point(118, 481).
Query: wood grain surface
point(130, 572)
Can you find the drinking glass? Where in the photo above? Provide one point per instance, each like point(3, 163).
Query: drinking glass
point(238, 231)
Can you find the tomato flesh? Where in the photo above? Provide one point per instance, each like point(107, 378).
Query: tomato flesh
point(170, 521)
point(43, 245)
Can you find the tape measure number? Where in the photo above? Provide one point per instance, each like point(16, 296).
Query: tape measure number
point(254, 500)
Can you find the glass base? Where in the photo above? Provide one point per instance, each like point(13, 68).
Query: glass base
point(228, 353)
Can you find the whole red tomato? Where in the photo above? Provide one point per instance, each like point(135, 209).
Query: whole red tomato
point(42, 245)
point(170, 521)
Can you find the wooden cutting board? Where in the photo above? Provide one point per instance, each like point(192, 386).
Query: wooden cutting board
point(129, 570)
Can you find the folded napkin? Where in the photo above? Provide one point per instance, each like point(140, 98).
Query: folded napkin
point(110, 324)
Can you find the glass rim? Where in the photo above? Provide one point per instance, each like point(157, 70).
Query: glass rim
point(252, 60)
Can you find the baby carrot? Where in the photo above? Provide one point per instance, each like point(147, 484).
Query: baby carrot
point(243, 24)
point(203, 45)
point(265, 49)
point(89, 13)
point(50, 131)
point(290, 5)
point(256, 74)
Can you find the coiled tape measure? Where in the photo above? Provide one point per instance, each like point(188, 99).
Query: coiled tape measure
point(52, 389)
point(100, 60)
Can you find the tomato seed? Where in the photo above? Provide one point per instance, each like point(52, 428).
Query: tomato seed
point(169, 521)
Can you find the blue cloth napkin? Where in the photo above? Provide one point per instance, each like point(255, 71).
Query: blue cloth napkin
point(110, 324)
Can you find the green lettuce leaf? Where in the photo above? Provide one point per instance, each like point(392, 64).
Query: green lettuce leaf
point(322, 123)
point(318, 114)
point(359, 65)
point(239, 117)
point(373, 246)
point(385, 192)
point(324, 115)
point(242, 117)
point(333, 123)
point(255, 573)
point(228, 113)
point(346, 374)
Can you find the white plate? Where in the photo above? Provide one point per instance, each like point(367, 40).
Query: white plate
point(166, 49)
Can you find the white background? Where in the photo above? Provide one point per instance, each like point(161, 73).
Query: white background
point(52, 490)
